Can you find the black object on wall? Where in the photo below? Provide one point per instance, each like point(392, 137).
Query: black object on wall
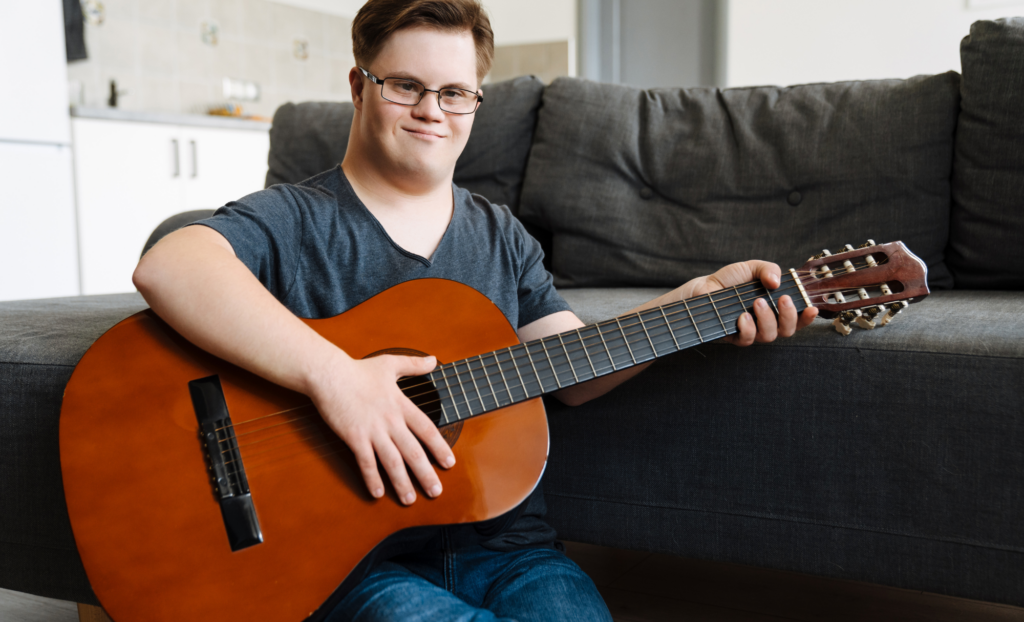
point(74, 30)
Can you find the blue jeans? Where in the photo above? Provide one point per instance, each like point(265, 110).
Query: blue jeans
point(465, 582)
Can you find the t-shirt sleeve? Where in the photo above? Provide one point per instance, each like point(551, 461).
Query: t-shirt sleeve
point(265, 230)
point(537, 295)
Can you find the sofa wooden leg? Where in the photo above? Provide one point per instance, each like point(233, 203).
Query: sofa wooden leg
point(92, 613)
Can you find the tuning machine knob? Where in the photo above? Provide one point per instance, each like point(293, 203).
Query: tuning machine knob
point(868, 244)
point(823, 253)
point(894, 309)
point(843, 321)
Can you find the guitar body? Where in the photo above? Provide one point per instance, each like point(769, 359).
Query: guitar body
point(143, 509)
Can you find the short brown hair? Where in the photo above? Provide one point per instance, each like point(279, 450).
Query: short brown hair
point(379, 19)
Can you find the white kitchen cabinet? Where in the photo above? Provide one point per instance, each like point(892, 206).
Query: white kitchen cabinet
point(132, 175)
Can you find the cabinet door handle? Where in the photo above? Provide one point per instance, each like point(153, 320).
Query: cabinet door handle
point(195, 161)
point(176, 171)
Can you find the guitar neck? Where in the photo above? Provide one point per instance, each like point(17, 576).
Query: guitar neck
point(486, 382)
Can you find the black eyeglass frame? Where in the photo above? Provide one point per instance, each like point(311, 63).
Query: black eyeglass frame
point(380, 81)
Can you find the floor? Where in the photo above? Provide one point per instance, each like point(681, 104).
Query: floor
point(653, 587)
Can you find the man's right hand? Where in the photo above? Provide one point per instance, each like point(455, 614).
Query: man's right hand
point(362, 403)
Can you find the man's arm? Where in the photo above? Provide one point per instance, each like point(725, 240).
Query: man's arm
point(766, 329)
point(193, 281)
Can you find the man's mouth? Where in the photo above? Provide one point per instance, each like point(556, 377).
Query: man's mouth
point(423, 134)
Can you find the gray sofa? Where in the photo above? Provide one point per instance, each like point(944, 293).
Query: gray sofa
point(894, 456)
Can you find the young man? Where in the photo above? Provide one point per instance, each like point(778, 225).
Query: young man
point(388, 214)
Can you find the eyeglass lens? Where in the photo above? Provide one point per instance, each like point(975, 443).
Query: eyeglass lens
point(409, 93)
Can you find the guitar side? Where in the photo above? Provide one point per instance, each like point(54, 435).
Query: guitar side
point(142, 506)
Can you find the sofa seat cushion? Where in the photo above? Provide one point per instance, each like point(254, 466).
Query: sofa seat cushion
point(653, 188)
point(40, 344)
point(987, 220)
point(891, 456)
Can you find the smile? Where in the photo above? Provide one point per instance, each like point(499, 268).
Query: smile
point(424, 135)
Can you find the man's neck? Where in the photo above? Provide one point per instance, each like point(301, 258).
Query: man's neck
point(415, 219)
point(396, 192)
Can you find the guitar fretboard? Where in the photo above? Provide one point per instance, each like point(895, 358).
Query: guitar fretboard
point(493, 380)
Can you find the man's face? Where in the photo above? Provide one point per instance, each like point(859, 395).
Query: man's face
point(418, 140)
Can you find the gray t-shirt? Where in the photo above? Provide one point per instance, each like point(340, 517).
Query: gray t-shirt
point(319, 251)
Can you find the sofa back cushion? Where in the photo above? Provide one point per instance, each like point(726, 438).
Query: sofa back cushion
point(311, 137)
point(657, 187)
point(987, 219)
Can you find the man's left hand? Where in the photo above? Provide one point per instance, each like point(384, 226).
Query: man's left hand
point(767, 327)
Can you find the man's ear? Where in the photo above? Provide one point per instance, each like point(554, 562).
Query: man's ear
point(355, 81)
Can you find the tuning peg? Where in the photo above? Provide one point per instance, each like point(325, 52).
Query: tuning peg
point(848, 248)
point(843, 321)
point(894, 309)
point(867, 319)
point(823, 253)
point(868, 244)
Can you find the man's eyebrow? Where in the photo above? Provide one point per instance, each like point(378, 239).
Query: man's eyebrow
point(408, 76)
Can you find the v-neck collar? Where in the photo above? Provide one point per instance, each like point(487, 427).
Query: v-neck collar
point(366, 211)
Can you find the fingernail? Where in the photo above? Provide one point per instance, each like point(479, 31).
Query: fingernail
point(409, 497)
point(785, 301)
point(435, 490)
point(760, 303)
point(378, 492)
point(449, 462)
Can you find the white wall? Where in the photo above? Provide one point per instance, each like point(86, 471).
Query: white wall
point(532, 21)
point(801, 41)
point(514, 21)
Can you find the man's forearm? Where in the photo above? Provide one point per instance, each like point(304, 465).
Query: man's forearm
point(194, 282)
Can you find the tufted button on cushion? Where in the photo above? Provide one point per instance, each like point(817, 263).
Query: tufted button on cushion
point(794, 198)
point(646, 193)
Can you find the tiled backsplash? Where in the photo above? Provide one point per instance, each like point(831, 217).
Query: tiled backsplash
point(154, 49)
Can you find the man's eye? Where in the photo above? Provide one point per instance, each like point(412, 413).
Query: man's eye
point(406, 87)
point(453, 94)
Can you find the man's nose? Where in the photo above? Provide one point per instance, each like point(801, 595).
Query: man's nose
point(429, 108)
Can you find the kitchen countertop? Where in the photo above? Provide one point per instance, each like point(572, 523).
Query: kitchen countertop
point(170, 118)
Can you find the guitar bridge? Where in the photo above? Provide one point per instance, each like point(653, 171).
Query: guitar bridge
point(230, 486)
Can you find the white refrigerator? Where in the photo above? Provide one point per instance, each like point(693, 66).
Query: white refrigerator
point(38, 239)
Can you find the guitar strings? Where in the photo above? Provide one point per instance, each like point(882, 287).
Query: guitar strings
point(554, 371)
point(553, 374)
point(488, 378)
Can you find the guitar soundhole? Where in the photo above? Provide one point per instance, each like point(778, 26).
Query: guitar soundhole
point(422, 392)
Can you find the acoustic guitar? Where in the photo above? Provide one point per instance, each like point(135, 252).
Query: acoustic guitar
point(197, 490)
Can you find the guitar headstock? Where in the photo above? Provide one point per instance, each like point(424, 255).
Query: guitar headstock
point(857, 285)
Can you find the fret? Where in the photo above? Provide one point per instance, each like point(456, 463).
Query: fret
point(503, 381)
point(569, 359)
point(487, 378)
point(611, 359)
point(455, 404)
point(693, 320)
point(670, 330)
point(626, 341)
point(519, 374)
point(715, 307)
point(444, 412)
point(586, 352)
point(529, 355)
point(472, 379)
point(654, 351)
point(770, 299)
point(554, 372)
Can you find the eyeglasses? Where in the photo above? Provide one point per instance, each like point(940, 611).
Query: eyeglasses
point(407, 92)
